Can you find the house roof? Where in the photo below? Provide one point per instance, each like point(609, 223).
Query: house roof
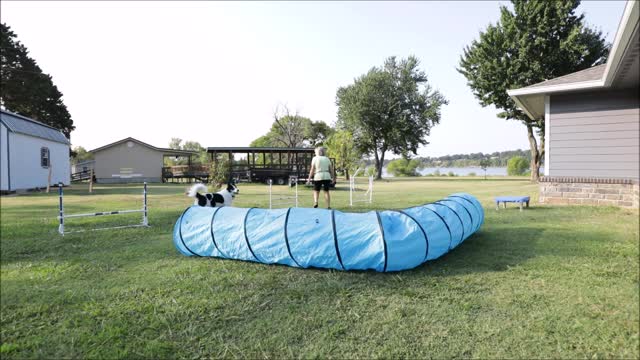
point(23, 125)
point(590, 74)
point(246, 149)
point(620, 71)
point(166, 151)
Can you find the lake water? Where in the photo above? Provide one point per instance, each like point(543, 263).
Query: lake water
point(460, 171)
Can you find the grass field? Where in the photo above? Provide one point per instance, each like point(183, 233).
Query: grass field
point(549, 282)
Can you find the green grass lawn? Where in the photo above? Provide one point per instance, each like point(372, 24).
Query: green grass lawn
point(549, 282)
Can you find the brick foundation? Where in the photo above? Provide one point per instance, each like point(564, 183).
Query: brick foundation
point(590, 191)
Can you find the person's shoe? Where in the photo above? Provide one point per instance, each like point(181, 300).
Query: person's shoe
point(315, 206)
point(329, 208)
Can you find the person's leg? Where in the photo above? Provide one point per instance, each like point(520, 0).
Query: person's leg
point(316, 193)
point(327, 199)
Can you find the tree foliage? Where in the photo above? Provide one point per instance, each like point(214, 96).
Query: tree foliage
point(537, 41)
point(517, 165)
point(484, 164)
point(340, 147)
point(81, 154)
point(176, 143)
point(404, 167)
point(25, 89)
point(290, 129)
point(389, 109)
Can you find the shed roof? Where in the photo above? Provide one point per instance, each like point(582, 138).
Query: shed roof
point(166, 151)
point(23, 125)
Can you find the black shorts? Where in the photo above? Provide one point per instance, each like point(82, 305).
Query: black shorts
point(325, 184)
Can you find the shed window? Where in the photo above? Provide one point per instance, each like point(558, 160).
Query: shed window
point(44, 157)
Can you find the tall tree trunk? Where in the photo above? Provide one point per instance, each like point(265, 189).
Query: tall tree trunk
point(535, 154)
point(380, 163)
point(377, 164)
point(346, 173)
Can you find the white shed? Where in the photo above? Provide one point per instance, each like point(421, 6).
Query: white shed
point(28, 149)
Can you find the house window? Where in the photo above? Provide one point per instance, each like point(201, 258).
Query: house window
point(44, 157)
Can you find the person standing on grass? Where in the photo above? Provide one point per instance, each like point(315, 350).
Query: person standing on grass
point(323, 176)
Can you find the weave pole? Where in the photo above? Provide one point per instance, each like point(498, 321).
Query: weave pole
point(62, 216)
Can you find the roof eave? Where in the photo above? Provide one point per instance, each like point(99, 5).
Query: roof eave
point(628, 25)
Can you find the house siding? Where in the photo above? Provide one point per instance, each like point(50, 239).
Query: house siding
point(24, 159)
point(4, 158)
point(595, 134)
point(122, 164)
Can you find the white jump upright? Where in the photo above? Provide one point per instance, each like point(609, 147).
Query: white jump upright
point(366, 197)
point(62, 216)
point(283, 200)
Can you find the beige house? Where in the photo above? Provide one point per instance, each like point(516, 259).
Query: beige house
point(131, 160)
point(592, 125)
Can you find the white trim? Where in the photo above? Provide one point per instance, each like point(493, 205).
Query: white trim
point(556, 88)
point(521, 106)
point(547, 134)
point(623, 35)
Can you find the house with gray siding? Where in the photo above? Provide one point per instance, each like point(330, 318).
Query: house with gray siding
point(130, 160)
point(592, 125)
point(29, 152)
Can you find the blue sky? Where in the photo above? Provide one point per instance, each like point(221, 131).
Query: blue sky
point(214, 72)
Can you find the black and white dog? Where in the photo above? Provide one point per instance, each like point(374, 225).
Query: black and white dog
point(221, 198)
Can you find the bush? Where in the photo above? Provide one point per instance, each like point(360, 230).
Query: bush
point(370, 171)
point(471, 174)
point(436, 173)
point(404, 167)
point(517, 166)
point(451, 173)
point(219, 173)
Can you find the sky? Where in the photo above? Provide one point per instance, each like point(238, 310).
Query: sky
point(214, 72)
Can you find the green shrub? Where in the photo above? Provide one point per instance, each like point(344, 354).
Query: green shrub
point(219, 173)
point(472, 174)
point(451, 173)
point(436, 173)
point(404, 167)
point(517, 166)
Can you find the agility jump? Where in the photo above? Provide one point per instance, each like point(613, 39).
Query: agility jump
point(354, 197)
point(284, 200)
point(62, 216)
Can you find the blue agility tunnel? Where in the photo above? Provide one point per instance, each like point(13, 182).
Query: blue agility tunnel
point(390, 240)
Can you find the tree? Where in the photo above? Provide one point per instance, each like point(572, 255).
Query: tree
point(391, 108)
point(404, 167)
point(175, 143)
point(318, 133)
point(81, 154)
point(517, 165)
point(25, 89)
point(289, 129)
point(539, 40)
point(484, 164)
point(340, 146)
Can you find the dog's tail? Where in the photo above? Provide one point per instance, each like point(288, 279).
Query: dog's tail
point(196, 188)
